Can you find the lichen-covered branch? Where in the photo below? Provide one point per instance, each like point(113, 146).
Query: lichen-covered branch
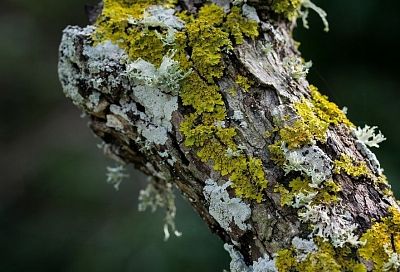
point(211, 96)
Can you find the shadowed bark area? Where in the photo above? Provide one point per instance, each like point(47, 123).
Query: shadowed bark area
point(262, 115)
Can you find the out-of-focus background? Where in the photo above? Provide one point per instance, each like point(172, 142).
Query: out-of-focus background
point(57, 213)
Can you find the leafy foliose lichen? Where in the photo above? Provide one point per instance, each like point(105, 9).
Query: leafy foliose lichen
point(315, 115)
point(351, 167)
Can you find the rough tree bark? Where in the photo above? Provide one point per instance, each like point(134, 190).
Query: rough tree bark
point(289, 183)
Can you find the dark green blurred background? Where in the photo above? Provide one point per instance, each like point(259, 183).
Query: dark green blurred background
point(56, 211)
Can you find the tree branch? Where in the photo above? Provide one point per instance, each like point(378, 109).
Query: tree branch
point(215, 101)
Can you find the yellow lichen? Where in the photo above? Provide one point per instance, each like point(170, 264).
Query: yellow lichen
point(240, 26)
point(208, 40)
point(138, 41)
point(326, 194)
point(315, 115)
point(351, 167)
point(325, 259)
point(382, 240)
point(204, 129)
point(326, 110)
point(289, 8)
point(243, 82)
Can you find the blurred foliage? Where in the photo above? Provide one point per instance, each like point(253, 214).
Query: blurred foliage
point(56, 211)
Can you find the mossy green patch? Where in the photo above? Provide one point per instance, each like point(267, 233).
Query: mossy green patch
point(205, 128)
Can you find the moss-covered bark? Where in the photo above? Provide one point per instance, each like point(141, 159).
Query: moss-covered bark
point(212, 97)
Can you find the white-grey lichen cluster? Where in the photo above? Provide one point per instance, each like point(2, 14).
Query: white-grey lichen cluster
point(166, 77)
point(239, 117)
point(106, 67)
point(224, 209)
point(115, 175)
point(237, 263)
point(250, 13)
point(333, 224)
point(393, 263)
point(368, 136)
point(296, 67)
point(160, 196)
point(311, 161)
point(303, 247)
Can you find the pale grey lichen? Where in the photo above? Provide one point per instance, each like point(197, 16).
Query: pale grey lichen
point(303, 247)
point(237, 264)
point(303, 199)
point(166, 77)
point(333, 224)
point(69, 65)
point(115, 175)
point(114, 122)
point(238, 116)
point(310, 160)
point(307, 4)
point(250, 13)
point(160, 195)
point(371, 157)
point(264, 264)
point(296, 67)
point(159, 16)
point(225, 209)
point(368, 136)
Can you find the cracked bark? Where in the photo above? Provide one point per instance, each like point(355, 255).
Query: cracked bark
point(272, 226)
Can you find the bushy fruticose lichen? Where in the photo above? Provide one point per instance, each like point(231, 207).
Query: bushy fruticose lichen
point(293, 9)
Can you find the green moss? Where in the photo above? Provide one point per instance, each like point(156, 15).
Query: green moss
point(351, 167)
point(382, 240)
point(244, 82)
point(288, 8)
point(240, 26)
